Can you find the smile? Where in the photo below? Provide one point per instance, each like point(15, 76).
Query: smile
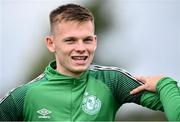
point(79, 57)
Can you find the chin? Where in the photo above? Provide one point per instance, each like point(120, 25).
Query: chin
point(81, 69)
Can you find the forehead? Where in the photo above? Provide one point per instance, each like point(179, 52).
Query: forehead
point(66, 28)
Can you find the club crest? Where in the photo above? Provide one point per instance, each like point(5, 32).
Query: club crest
point(91, 104)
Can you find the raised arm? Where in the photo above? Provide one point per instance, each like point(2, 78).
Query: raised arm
point(169, 94)
point(167, 90)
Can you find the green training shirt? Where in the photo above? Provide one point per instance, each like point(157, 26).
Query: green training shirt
point(169, 93)
point(95, 96)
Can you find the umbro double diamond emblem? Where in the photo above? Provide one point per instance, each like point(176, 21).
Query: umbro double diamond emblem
point(44, 113)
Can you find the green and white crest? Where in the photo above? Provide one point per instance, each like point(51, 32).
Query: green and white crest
point(91, 104)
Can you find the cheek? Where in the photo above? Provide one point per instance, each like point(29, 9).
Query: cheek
point(63, 52)
point(92, 49)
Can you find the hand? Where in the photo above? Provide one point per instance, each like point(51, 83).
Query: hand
point(149, 83)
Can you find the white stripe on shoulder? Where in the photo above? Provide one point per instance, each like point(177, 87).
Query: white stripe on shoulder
point(99, 67)
point(8, 93)
point(37, 78)
point(178, 83)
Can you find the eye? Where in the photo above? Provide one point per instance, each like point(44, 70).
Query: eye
point(69, 41)
point(88, 40)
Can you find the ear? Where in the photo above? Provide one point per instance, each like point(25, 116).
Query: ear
point(50, 43)
point(95, 39)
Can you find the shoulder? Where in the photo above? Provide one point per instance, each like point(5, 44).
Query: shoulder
point(118, 80)
point(111, 71)
point(20, 91)
point(34, 82)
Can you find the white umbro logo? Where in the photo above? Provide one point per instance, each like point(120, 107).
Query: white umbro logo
point(44, 113)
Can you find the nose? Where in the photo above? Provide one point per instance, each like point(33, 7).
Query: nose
point(80, 47)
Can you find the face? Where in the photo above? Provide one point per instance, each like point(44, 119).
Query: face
point(74, 45)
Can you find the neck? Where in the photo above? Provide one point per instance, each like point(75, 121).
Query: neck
point(67, 72)
point(73, 74)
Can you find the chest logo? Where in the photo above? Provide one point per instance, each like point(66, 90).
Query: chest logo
point(44, 113)
point(91, 104)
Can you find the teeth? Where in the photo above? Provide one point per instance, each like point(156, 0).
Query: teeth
point(79, 57)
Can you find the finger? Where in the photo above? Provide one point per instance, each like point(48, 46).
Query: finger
point(141, 79)
point(138, 89)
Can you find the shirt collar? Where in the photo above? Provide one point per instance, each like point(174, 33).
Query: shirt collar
point(53, 75)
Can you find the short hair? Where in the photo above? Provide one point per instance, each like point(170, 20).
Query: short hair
point(70, 12)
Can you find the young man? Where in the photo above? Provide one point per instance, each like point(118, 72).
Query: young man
point(70, 89)
point(168, 91)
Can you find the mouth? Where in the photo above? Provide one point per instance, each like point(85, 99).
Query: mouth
point(79, 58)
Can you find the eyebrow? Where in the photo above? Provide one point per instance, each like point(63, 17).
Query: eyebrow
point(88, 37)
point(72, 37)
